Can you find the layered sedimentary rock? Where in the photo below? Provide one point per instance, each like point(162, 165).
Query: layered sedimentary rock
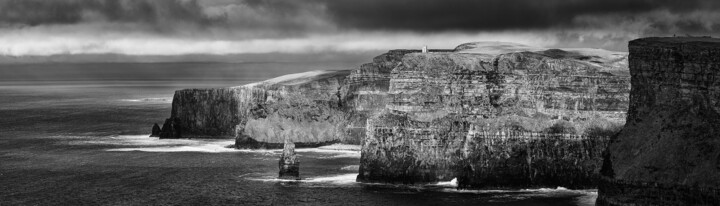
point(475, 113)
point(262, 114)
point(668, 153)
point(206, 113)
point(483, 116)
point(364, 92)
point(289, 164)
point(304, 108)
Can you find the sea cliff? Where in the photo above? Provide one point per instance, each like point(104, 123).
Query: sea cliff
point(668, 153)
point(303, 107)
point(518, 118)
point(481, 112)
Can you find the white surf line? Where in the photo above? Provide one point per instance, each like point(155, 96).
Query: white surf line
point(203, 146)
point(351, 168)
point(541, 191)
point(157, 99)
point(343, 179)
point(452, 183)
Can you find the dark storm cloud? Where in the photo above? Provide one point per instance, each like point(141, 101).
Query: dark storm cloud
point(323, 15)
point(166, 27)
point(48, 12)
point(217, 18)
point(469, 15)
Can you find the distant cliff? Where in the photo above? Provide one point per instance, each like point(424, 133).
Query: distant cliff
point(525, 118)
point(668, 153)
point(303, 107)
point(483, 112)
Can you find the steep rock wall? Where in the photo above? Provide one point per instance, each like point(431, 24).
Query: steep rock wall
point(212, 113)
point(205, 113)
point(226, 112)
point(668, 153)
point(364, 92)
point(479, 93)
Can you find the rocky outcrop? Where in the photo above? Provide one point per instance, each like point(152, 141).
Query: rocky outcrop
point(489, 119)
point(170, 129)
point(668, 153)
point(156, 131)
point(289, 164)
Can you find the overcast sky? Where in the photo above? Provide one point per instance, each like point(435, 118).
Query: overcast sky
point(174, 27)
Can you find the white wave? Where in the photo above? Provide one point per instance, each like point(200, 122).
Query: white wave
point(322, 150)
point(129, 140)
point(144, 143)
point(351, 168)
point(333, 153)
point(349, 155)
point(588, 199)
point(533, 192)
point(452, 183)
point(346, 147)
point(343, 179)
point(196, 148)
point(340, 179)
point(148, 100)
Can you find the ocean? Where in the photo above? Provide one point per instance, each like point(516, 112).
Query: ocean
point(77, 134)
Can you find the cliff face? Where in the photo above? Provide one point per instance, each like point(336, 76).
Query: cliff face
point(668, 153)
point(206, 113)
point(483, 117)
point(364, 92)
point(480, 112)
point(252, 113)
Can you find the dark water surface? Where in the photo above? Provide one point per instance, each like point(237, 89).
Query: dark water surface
point(76, 134)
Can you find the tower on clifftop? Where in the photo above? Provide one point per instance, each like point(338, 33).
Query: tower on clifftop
point(424, 49)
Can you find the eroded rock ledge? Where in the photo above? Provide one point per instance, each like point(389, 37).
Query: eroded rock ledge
point(668, 153)
point(515, 118)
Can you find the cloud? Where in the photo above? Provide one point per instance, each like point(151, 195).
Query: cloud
point(176, 27)
point(613, 31)
point(156, 12)
point(29, 42)
point(463, 15)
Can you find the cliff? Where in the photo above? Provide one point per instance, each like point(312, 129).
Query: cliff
point(482, 112)
point(668, 153)
point(206, 113)
point(527, 118)
point(364, 92)
point(304, 107)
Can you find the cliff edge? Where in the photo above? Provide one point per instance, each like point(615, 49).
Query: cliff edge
point(668, 153)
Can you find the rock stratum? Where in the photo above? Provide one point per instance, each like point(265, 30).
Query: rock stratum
point(493, 115)
point(668, 153)
point(497, 116)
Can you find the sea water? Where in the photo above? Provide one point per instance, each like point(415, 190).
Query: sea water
point(77, 134)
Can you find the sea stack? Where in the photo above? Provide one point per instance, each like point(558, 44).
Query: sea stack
point(668, 153)
point(170, 129)
point(289, 164)
point(156, 131)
